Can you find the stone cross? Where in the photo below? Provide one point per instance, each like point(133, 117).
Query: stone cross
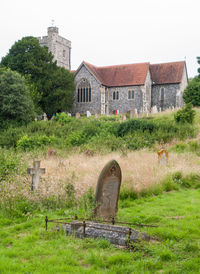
point(107, 191)
point(163, 157)
point(35, 172)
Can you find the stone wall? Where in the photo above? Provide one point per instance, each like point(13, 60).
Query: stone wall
point(59, 46)
point(169, 97)
point(182, 86)
point(124, 104)
point(95, 105)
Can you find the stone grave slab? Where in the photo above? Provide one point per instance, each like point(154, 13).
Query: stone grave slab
point(119, 235)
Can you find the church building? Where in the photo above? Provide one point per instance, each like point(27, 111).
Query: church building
point(123, 88)
point(120, 88)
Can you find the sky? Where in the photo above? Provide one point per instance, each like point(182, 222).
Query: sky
point(110, 32)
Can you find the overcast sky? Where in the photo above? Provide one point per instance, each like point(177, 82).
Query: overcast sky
point(110, 32)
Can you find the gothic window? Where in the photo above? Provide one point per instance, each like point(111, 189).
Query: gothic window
point(83, 91)
point(162, 94)
point(131, 94)
point(63, 53)
point(115, 95)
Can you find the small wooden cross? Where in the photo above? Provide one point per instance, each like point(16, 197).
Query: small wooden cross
point(35, 172)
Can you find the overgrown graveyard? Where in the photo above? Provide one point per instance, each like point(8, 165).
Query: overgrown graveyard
point(159, 194)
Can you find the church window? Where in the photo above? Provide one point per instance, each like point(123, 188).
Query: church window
point(131, 94)
point(115, 95)
point(83, 91)
point(64, 53)
point(162, 94)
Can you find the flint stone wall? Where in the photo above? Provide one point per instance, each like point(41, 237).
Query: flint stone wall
point(124, 104)
point(95, 105)
point(169, 97)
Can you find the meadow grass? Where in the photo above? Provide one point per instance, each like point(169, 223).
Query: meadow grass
point(25, 246)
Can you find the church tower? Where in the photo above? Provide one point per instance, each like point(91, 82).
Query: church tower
point(59, 46)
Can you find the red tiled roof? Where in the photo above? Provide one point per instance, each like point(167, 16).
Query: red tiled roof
point(120, 75)
point(167, 73)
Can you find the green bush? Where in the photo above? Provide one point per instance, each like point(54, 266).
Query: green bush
point(26, 143)
point(133, 125)
point(185, 115)
point(9, 164)
point(63, 118)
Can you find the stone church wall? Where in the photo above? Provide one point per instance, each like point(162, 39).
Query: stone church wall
point(169, 97)
point(95, 105)
point(124, 104)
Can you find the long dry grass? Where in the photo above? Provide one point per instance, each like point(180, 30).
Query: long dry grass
point(139, 169)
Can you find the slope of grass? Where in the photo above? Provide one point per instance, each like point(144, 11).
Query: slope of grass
point(25, 247)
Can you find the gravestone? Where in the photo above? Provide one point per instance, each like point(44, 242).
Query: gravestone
point(69, 114)
point(88, 114)
point(107, 192)
point(131, 114)
point(124, 117)
point(162, 156)
point(96, 116)
point(45, 117)
point(36, 171)
point(78, 115)
point(154, 110)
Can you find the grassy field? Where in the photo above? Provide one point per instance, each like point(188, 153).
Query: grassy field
point(25, 247)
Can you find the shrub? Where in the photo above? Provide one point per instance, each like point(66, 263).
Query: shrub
point(185, 115)
point(133, 125)
point(8, 164)
point(29, 143)
point(62, 118)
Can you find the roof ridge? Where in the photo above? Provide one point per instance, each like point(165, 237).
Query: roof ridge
point(174, 62)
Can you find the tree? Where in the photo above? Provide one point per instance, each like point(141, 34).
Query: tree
point(15, 101)
point(198, 61)
point(52, 87)
point(185, 115)
point(192, 92)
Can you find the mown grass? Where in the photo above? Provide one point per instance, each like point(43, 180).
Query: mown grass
point(25, 247)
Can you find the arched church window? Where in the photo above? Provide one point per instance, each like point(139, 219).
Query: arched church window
point(131, 94)
point(115, 95)
point(162, 94)
point(84, 91)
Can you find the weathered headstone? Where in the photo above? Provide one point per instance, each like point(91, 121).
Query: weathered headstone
point(162, 156)
point(69, 114)
point(96, 116)
point(36, 171)
point(131, 114)
point(88, 114)
point(78, 115)
point(45, 117)
point(107, 192)
point(154, 110)
point(124, 117)
point(136, 113)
